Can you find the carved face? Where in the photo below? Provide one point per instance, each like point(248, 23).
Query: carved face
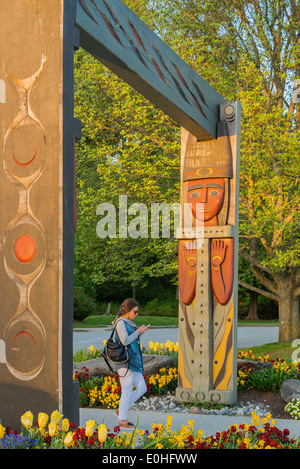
point(208, 194)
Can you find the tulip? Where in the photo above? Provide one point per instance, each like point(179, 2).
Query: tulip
point(65, 425)
point(102, 433)
point(89, 428)
point(68, 441)
point(2, 431)
point(42, 420)
point(52, 428)
point(27, 419)
point(55, 417)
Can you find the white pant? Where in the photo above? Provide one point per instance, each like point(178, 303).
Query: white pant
point(128, 396)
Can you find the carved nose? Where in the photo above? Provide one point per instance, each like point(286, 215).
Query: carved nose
point(203, 195)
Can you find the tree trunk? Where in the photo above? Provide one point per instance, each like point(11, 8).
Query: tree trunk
point(288, 304)
point(252, 312)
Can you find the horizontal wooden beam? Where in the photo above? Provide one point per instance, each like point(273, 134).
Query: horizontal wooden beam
point(115, 35)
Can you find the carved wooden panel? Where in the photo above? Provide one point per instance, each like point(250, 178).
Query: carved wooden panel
point(208, 263)
point(32, 206)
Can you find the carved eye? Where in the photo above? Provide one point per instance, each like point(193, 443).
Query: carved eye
point(194, 195)
point(214, 193)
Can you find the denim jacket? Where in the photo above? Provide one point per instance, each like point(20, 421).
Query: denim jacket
point(134, 349)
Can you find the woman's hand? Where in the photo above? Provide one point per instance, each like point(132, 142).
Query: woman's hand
point(142, 329)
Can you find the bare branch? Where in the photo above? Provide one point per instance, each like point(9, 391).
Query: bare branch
point(270, 295)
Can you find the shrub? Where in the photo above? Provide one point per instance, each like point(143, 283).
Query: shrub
point(84, 305)
point(155, 307)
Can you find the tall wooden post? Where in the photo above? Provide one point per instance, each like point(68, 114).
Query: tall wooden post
point(36, 208)
point(208, 263)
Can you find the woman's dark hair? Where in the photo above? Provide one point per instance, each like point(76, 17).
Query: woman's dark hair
point(125, 307)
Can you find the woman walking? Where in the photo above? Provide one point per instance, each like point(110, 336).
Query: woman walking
point(129, 335)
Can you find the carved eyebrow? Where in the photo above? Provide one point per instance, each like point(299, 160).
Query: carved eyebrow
point(201, 186)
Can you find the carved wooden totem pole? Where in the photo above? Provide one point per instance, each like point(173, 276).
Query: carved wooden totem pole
point(208, 263)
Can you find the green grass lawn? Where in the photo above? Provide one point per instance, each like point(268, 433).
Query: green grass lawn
point(105, 320)
point(274, 350)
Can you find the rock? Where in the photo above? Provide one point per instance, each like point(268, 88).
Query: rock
point(173, 405)
point(290, 389)
point(195, 410)
point(94, 367)
point(153, 363)
point(98, 367)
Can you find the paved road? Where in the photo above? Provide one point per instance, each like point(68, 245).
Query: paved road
point(247, 336)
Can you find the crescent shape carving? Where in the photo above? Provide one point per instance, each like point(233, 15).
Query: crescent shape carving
point(28, 162)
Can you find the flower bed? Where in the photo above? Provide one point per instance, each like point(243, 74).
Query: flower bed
point(255, 374)
point(60, 434)
point(105, 391)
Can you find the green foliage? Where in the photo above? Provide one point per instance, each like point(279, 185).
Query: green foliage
point(128, 148)
point(84, 305)
point(161, 308)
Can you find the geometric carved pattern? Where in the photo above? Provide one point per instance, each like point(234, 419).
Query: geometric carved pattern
point(24, 237)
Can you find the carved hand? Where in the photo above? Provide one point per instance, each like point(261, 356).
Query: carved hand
point(218, 253)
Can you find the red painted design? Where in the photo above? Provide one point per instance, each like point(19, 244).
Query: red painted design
point(28, 162)
point(23, 333)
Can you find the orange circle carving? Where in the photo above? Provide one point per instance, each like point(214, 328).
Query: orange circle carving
point(25, 248)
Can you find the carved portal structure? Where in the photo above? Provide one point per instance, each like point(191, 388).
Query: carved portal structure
point(37, 210)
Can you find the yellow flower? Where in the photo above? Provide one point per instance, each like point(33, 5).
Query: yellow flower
point(52, 428)
point(191, 424)
point(169, 422)
point(2, 431)
point(65, 425)
point(55, 417)
point(42, 419)
point(102, 433)
point(68, 441)
point(89, 428)
point(27, 419)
